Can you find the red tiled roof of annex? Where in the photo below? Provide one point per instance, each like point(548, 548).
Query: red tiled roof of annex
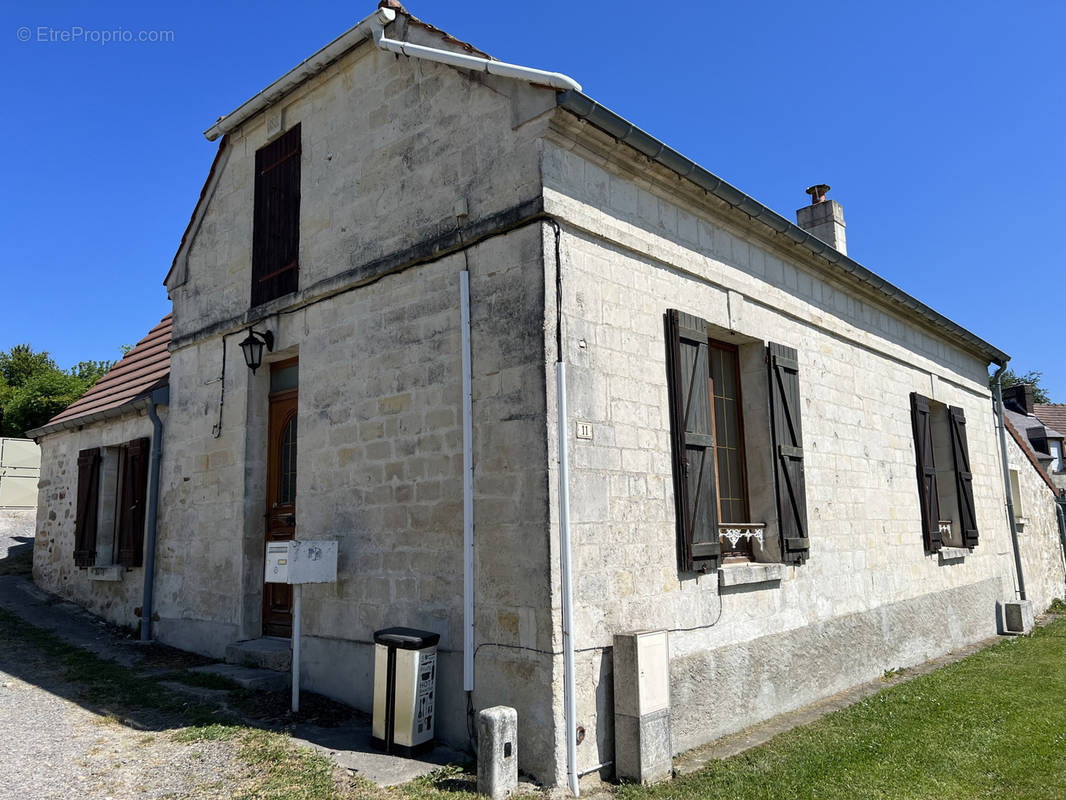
point(145, 367)
point(1053, 415)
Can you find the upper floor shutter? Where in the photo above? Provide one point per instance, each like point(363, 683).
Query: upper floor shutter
point(85, 518)
point(133, 499)
point(787, 444)
point(692, 439)
point(963, 476)
point(922, 424)
point(276, 218)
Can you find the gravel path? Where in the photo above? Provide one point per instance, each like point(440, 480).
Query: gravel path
point(51, 747)
point(16, 530)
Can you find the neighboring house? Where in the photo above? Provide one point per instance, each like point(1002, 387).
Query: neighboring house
point(94, 484)
point(1033, 493)
point(1043, 442)
point(771, 452)
point(20, 469)
point(1053, 416)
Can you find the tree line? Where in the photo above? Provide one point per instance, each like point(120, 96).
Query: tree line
point(33, 388)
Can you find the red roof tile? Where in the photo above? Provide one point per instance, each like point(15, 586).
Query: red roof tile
point(143, 368)
point(1053, 415)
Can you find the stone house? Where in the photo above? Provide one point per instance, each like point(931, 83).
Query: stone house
point(546, 381)
point(94, 486)
point(1053, 416)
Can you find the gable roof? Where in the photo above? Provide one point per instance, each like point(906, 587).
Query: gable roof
point(142, 370)
point(574, 101)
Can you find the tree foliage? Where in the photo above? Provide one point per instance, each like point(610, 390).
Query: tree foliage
point(1032, 377)
point(33, 389)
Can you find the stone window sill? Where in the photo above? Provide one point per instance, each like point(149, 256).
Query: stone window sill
point(750, 573)
point(952, 555)
point(111, 572)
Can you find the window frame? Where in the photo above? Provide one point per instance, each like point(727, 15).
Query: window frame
point(932, 420)
point(276, 217)
point(700, 531)
point(122, 510)
point(730, 551)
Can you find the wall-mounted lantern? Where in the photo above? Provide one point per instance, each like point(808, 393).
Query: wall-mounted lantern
point(252, 347)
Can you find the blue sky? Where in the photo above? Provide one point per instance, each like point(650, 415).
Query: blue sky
point(940, 127)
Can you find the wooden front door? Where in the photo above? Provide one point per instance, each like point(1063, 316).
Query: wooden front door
point(281, 505)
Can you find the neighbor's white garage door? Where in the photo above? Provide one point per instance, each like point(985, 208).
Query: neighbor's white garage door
point(20, 469)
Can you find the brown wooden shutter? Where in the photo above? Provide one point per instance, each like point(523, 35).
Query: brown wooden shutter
point(922, 424)
point(85, 518)
point(133, 500)
point(787, 443)
point(963, 476)
point(692, 439)
point(276, 218)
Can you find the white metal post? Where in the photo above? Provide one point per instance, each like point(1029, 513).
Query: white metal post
point(566, 580)
point(296, 592)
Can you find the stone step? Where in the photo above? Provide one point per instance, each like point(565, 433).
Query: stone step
point(265, 653)
point(265, 680)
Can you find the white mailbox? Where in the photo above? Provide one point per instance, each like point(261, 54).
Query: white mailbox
point(299, 561)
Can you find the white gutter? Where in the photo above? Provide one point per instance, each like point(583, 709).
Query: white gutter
point(468, 488)
point(301, 72)
point(136, 404)
point(464, 61)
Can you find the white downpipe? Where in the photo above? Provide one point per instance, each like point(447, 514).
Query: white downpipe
point(468, 488)
point(464, 61)
point(569, 694)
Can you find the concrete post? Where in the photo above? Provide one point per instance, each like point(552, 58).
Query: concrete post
point(497, 752)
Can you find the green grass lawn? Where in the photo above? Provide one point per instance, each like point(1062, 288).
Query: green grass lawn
point(991, 725)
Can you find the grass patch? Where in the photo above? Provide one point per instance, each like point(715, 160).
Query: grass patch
point(993, 724)
point(214, 732)
point(109, 687)
point(286, 772)
point(452, 781)
point(202, 680)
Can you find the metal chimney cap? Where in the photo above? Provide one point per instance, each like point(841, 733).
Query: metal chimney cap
point(818, 193)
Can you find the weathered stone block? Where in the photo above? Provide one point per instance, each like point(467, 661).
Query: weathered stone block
point(497, 756)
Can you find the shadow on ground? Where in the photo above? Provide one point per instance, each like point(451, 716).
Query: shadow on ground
point(61, 648)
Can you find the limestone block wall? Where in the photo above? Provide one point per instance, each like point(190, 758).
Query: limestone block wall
point(379, 468)
point(53, 554)
point(631, 250)
point(396, 154)
point(1038, 537)
point(202, 570)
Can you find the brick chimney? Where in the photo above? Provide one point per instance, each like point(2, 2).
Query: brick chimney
point(1019, 398)
point(823, 218)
